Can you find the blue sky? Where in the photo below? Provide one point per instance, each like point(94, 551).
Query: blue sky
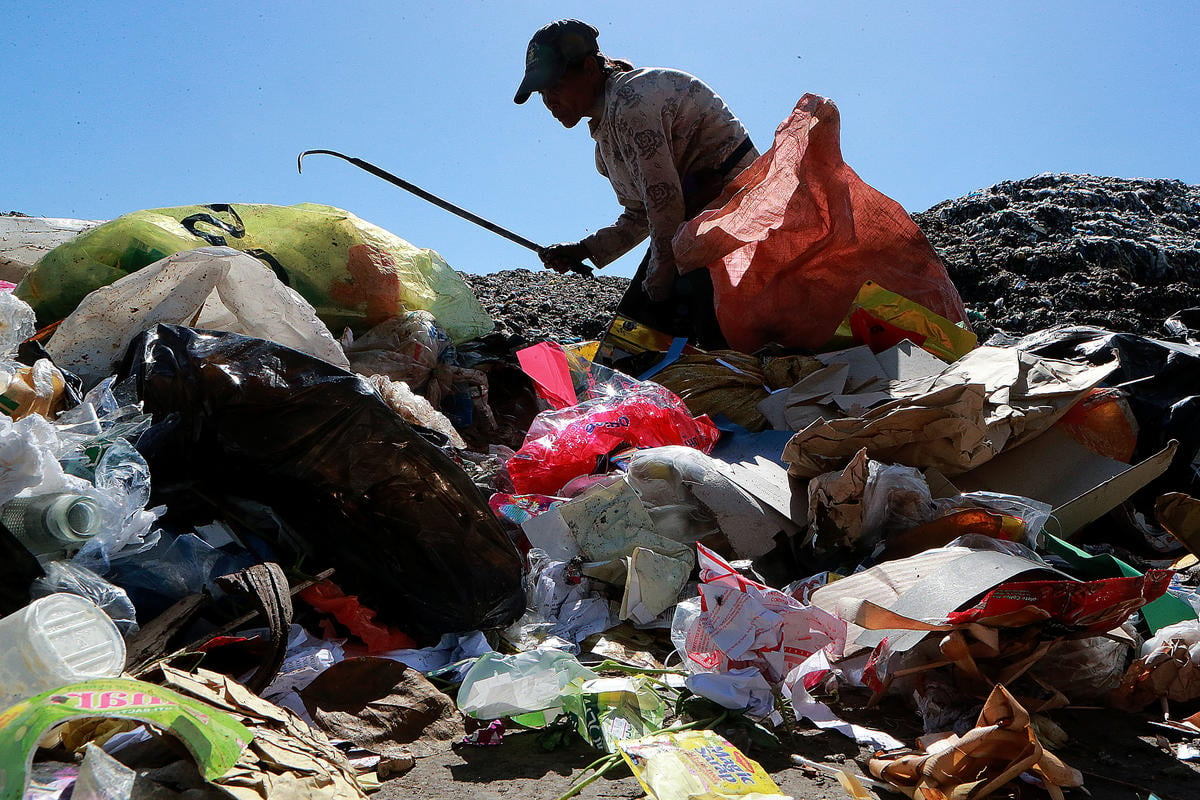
point(113, 107)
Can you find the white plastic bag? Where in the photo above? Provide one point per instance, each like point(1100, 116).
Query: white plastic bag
point(217, 288)
point(504, 686)
point(27, 454)
point(689, 498)
point(17, 322)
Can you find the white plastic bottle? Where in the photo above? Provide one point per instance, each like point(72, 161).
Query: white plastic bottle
point(53, 525)
point(56, 640)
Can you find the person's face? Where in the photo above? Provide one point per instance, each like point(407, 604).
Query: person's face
point(570, 99)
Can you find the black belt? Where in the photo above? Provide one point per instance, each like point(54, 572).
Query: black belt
point(729, 163)
point(702, 187)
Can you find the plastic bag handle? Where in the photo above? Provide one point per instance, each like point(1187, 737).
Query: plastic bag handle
point(236, 230)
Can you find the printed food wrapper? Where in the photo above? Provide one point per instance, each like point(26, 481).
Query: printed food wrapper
point(748, 624)
point(213, 737)
point(608, 710)
point(696, 765)
point(881, 319)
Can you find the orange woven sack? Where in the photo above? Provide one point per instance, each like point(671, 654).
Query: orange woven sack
point(795, 235)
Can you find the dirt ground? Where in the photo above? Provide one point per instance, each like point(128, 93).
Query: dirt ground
point(1117, 753)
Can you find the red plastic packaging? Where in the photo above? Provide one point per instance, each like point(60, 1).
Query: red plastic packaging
point(1082, 607)
point(357, 618)
point(564, 444)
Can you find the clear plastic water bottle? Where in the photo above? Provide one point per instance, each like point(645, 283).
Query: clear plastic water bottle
point(52, 525)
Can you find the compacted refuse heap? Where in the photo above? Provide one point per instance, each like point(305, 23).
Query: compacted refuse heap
point(324, 516)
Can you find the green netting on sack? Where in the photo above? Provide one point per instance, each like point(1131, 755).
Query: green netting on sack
point(353, 273)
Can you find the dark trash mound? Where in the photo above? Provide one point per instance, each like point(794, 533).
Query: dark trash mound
point(1122, 254)
point(545, 305)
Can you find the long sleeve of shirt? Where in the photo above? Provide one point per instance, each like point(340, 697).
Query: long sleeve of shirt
point(656, 126)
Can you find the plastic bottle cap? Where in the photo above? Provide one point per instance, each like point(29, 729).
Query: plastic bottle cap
point(73, 518)
point(83, 517)
point(73, 639)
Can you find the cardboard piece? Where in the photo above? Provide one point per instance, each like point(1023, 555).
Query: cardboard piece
point(907, 361)
point(860, 364)
point(923, 587)
point(745, 446)
point(988, 401)
point(852, 381)
point(943, 429)
point(768, 482)
point(1081, 485)
point(808, 400)
point(854, 404)
point(548, 531)
point(773, 407)
point(1025, 393)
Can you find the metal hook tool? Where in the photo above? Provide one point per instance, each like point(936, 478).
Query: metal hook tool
point(578, 267)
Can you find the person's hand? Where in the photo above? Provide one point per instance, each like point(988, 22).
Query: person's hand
point(658, 285)
point(564, 257)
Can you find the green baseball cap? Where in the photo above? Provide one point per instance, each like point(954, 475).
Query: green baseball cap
point(551, 50)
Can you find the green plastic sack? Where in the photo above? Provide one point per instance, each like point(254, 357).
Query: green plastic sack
point(354, 274)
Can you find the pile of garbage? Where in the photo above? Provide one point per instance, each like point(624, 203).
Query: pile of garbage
point(282, 513)
point(1119, 253)
point(546, 305)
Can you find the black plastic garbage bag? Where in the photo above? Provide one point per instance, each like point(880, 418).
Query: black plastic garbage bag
point(1184, 325)
point(1161, 381)
point(365, 493)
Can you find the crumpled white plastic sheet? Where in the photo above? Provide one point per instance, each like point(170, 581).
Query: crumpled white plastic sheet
point(796, 688)
point(217, 288)
point(739, 689)
point(744, 629)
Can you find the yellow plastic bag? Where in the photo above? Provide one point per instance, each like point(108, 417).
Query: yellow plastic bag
point(881, 319)
point(355, 274)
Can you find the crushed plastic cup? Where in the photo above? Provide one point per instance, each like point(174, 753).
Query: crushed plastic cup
point(54, 641)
